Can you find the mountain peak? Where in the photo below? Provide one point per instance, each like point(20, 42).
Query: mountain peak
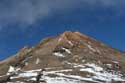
point(69, 55)
point(74, 35)
point(70, 36)
point(67, 37)
point(81, 35)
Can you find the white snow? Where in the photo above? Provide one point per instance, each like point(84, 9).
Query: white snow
point(67, 50)
point(76, 65)
point(70, 43)
point(60, 39)
point(26, 63)
point(95, 67)
point(11, 69)
point(109, 65)
point(76, 77)
point(28, 74)
point(83, 61)
point(98, 51)
point(98, 72)
point(58, 54)
point(106, 76)
point(37, 61)
point(93, 49)
point(20, 82)
point(90, 47)
point(101, 74)
point(57, 71)
point(33, 79)
point(25, 74)
point(67, 79)
point(61, 80)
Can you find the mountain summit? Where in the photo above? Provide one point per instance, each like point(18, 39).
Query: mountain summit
point(71, 57)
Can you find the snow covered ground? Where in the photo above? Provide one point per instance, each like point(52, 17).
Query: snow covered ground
point(100, 75)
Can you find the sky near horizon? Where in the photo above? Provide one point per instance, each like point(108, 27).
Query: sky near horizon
point(26, 22)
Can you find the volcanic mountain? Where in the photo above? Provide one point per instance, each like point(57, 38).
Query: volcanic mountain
point(71, 57)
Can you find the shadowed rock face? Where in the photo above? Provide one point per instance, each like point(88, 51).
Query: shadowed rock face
point(70, 50)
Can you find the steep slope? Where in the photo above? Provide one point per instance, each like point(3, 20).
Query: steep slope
point(15, 60)
point(70, 56)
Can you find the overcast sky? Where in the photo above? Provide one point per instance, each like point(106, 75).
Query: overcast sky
point(26, 22)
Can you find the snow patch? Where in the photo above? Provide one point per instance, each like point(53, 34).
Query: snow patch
point(94, 67)
point(109, 65)
point(11, 70)
point(101, 74)
point(76, 65)
point(76, 77)
point(58, 54)
point(26, 63)
point(37, 61)
point(28, 74)
point(67, 50)
point(25, 74)
point(98, 51)
point(20, 82)
point(60, 39)
point(90, 47)
point(70, 43)
point(83, 61)
point(65, 79)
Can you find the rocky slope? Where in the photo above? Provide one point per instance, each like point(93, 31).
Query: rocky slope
point(71, 57)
